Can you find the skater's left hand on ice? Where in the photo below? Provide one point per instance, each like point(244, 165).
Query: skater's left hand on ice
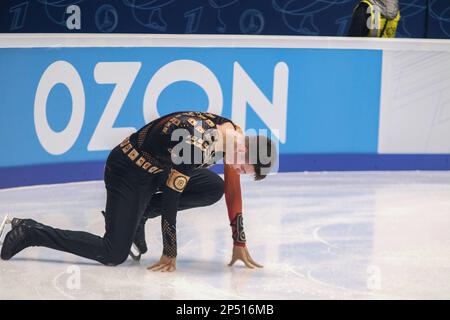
point(241, 253)
point(165, 264)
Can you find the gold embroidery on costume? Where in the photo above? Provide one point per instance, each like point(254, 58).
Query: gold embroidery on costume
point(126, 148)
point(177, 181)
point(175, 121)
point(200, 129)
point(146, 165)
point(133, 154)
point(192, 121)
point(152, 169)
point(140, 161)
point(125, 142)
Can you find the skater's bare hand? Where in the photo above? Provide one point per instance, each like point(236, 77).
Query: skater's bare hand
point(165, 264)
point(241, 253)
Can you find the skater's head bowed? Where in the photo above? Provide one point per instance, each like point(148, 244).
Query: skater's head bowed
point(255, 155)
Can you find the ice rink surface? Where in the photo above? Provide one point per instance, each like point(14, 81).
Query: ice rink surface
point(365, 235)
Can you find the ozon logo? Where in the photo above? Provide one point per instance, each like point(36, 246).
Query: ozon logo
point(123, 74)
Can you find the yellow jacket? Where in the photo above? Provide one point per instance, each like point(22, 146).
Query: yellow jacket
point(383, 23)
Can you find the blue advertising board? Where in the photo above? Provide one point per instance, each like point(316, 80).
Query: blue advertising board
point(64, 108)
point(331, 97)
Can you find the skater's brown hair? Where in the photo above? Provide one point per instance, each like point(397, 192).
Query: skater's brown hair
point(261, 152)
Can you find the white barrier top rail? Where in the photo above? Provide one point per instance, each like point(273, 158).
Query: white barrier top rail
point(39, 40)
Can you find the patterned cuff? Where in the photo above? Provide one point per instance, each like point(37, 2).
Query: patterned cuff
point(169, 234)
point(237, 226)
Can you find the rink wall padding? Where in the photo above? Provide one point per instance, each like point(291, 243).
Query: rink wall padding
point(331, 103)
point(93, 170)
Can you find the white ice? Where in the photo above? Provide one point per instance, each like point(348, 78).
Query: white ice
point(319, 235)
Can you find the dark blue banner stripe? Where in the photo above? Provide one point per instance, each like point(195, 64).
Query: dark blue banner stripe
point(51, 173)
point(93, 170)
point(363, 162)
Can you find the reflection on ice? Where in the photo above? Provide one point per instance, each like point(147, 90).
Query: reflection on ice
point(318, 235)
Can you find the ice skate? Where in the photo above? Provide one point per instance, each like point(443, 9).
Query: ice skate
point(17, 239)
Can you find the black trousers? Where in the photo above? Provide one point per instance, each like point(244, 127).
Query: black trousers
point(130, 196)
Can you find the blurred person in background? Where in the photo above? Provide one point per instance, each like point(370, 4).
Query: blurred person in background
point(375, 18)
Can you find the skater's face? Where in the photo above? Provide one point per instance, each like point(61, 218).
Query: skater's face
point(244, 168)
point(240, 158)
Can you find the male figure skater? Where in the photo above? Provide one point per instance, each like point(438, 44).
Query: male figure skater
point(170, 154)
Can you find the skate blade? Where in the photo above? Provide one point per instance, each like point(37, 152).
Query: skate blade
point(6, 220)
point(135, 254)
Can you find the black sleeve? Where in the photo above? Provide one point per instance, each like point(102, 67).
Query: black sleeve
point(183, 165)
point(187, 152)
point(358, 27)
point(174, 186)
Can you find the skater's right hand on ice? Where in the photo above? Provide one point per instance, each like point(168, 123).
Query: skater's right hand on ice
point(165, 264)
point(241, 253)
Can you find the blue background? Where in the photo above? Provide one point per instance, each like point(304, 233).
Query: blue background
point(420, 18)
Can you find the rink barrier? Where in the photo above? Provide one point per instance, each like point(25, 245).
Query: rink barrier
point(337, 103)
point(93, 170)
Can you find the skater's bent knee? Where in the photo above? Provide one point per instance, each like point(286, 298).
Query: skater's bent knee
point(114, 259)
point(215, 194)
